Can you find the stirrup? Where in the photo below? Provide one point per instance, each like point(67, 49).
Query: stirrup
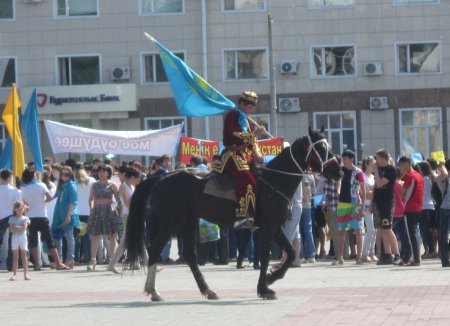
point(245, 223)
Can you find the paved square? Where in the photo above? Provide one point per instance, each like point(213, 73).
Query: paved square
point(315, 294)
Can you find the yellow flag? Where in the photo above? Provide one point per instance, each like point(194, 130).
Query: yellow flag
point(438, 156)
point(11, 117)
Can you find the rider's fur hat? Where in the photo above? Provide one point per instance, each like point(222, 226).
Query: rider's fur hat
point(249, 96)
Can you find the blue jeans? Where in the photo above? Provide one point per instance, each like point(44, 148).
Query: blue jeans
point(70, 240)
point(308, 248)
point(444, 217)
point(425, 229)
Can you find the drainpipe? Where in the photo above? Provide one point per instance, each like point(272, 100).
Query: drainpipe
point(205, 60)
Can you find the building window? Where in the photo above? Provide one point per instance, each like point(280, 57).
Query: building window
point(161, 6)
point(333, 61)
point(70, 8)
point(317, 4)
point(6, 9)
point(245, 64)
point(340, 128)
point(415, 2)
point(7, 72)
point(79, 70)
point(416, 58)
point(420, 131)
point(163, 122)
point(153, 67)
point(262, 120)
point(238, 5)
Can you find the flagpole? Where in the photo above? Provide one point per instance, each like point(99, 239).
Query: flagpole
point(259, 126)
point(14, 129)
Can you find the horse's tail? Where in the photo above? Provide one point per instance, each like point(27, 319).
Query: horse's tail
point(135, 235)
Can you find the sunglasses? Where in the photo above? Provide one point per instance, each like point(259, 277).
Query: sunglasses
point(65, 174)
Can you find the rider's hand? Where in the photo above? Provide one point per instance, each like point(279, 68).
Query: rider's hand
point(258, 158)
point(259, 131)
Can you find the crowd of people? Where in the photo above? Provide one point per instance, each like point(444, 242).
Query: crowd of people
point(378, 212)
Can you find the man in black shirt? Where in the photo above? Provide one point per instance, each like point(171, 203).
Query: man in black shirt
point(383, 205)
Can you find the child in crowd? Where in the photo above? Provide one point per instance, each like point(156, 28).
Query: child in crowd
point(18, 224)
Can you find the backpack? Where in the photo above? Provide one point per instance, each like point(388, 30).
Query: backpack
point(437, 194)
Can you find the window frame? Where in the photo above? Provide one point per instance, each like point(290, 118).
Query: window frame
point(312, 66)
point(3, 136)
point(397, 59)
point(264, 117)
point(242, 10)
point(327, 130)
point(327, 7)
point(172, 117)
point(396, 4)
point(423, 109)
point(13, 18)
point(16, 75)
point(224, 64)
point(142, 69)
point(56, 16)
point(59, 56)
point(141, 13)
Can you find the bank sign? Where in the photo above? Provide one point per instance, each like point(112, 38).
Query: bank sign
point(83, 98)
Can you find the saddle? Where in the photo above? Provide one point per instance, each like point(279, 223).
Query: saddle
point(220, 185)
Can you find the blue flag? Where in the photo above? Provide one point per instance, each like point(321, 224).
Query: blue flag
point(193, 95)
point(30, 128)
point(6, 156)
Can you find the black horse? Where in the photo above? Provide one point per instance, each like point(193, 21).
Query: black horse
point(177, 201)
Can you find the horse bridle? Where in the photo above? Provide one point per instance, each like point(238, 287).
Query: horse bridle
point(309, 150)
point(312, 147)
point(302, 172)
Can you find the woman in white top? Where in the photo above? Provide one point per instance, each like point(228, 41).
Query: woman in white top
point(36, 194)
point(368, 250)
point(84, 184)
point(132, 178)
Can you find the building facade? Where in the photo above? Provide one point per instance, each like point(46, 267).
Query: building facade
point(374, 73)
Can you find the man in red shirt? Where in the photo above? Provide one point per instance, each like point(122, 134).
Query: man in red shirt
point(413, 194)
point(239, 139)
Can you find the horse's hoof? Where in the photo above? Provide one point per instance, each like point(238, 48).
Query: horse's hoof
point(211, 295)
point(268, 295)
point(157, 298)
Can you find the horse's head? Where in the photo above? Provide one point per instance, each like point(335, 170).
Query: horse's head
point(319, 156)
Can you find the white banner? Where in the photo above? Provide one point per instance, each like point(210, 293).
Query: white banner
point(66, 138)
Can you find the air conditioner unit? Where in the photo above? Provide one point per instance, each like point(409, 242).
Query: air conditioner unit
point(32, 1)
point(288, 67)
point(289, 104)
point(120, 73)
point(378, 103)
point(373, 69)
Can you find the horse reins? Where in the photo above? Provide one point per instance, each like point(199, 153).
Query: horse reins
point(302, 173)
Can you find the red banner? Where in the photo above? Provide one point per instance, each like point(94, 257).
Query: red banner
point(272, 146)
point(193, 146)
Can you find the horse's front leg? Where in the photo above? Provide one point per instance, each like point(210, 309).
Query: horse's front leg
point(287, 247)
point(263, 290)
point(190, 254)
